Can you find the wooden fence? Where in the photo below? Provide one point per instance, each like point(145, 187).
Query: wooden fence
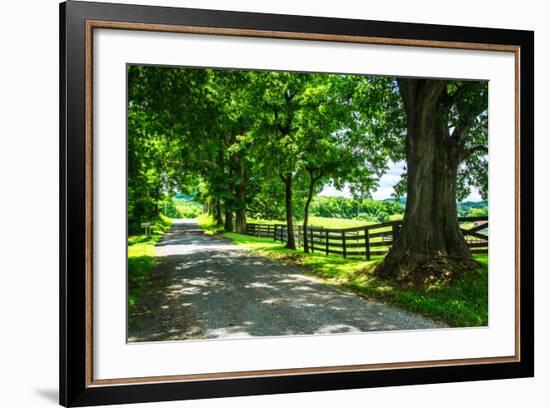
point(366, 241)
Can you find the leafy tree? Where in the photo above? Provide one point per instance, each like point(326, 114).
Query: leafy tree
point(162, 104)
point(233, 91)
point(479, 212)
point(446, 131)
point(250, 140)
point(337, 146)
point(277, 134)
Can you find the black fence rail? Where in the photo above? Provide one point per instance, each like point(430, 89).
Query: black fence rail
point(366, 241)
point(477, 235)
point(261, 230)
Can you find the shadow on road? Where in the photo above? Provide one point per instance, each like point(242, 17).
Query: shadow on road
point(205, 287)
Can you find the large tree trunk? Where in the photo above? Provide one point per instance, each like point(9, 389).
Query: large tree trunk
point(430, 245)
point(228, 218)
point(240, 220)
point(290, 243)
point(241, 199)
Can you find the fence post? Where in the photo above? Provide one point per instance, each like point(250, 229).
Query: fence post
point(326, 242)
point(299, 234)
point(367, 244)
point(311, 240)
point(344, 243)
point(275, 232)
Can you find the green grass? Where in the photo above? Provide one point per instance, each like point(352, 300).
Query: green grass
point(336, 223)
point(179, 208)
point(208, 224)
point(187, 209)
point(141, 259)
point(463, 303)
point(263, 221)
point(326, 222)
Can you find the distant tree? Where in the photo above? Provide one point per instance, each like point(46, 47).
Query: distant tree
point(479, 212)
point(364, 209)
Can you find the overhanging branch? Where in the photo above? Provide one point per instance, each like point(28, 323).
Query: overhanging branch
point(475, 149)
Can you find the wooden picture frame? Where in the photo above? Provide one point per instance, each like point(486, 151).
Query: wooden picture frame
point(78, 20)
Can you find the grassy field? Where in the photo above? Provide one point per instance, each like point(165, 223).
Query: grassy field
point(336, 223)
point(463, 303)
point(141, 253)
point(324, 222)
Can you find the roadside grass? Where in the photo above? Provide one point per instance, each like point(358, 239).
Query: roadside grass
point(141, 259)
point(208, 224)
point(463, 303)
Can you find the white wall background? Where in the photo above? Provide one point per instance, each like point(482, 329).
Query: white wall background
point(29, 202)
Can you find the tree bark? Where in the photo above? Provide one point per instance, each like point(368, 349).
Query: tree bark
point(240, 220)
point(219, 217)
point(290, 243)
point(241, 199)
point(228, 219)
point(311, 189)
point(430, 245)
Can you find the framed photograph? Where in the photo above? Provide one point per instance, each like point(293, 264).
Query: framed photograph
point(256, 203)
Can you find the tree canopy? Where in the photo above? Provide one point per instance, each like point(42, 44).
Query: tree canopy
point(266, 143)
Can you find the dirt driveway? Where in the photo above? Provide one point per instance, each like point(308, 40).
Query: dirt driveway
point(205, 287)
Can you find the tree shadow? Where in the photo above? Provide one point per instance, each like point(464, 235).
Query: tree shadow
point(209, 288)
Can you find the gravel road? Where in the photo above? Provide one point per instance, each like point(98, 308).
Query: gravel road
point(206, 287)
